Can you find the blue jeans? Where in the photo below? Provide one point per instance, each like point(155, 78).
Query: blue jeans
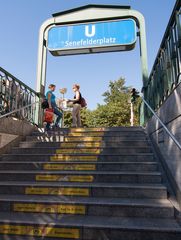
point(59, 116)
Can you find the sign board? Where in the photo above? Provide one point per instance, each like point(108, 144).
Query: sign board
point(118, 35)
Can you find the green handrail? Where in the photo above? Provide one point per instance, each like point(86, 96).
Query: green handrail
point(14, 94)
point(166, 72)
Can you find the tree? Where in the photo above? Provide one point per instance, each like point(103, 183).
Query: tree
point(116, 110)
point(116, 91)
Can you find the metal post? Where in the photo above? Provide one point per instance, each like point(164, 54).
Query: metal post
point(62, 123)
point(42, 56)
point(42, 66)
point(132, 115)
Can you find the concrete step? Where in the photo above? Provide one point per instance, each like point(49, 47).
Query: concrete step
point(84, 150)
point(87, 228)
point(107, 129)
point(97, 129)
point(77, 136)
point(110, 207)
point(139, 157)
point(45, 138)
point(80, 166)
point(106, 134)
point(61, 138)
point(113, 190)
point(18, 237)
point(95, 132)
point(139, 143)
point(83, 176)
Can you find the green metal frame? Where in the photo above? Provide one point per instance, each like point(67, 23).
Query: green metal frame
point(87, 14)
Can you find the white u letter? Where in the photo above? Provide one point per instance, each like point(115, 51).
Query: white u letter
point(92, 33)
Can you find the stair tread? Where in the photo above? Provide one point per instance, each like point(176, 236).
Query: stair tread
point(83, 147)
point(81, 162)
point(72, 184)
point(104, 131)
point(82, 172)
point(155, 224)
point(114, 134)
point(81, 154)
point(96, 141)
point(88, 129)
point(86, 200)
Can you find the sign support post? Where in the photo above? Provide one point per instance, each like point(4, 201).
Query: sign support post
point(132, 115)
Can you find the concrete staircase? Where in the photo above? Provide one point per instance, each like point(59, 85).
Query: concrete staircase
point(87, 184)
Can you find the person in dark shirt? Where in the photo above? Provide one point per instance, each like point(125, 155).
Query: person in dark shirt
point(52, 104)
point(76, 120)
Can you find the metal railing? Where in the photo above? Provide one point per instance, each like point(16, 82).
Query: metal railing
point(163, 125)
point(166, 72)
point(16, 97)
point(27, 112)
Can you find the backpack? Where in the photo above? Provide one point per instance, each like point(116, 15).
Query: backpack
point(83, 102)
point(45, 104)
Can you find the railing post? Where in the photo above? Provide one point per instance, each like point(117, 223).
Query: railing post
point(132, 115)
point(62, 123)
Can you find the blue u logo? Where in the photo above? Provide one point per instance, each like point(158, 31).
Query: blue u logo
point(90, 32)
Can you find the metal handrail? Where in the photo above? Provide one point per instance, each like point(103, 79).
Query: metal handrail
point(19, 81)
point(166, 70)
point(163, 125)
point(14, 94)
point(17, 110)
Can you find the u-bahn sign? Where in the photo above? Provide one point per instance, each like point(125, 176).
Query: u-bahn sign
point(117, 35)
point(90, 29)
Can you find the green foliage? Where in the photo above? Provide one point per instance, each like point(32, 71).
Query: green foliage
point(68, 117)
point(109, 115)
point(116, 111)
point(116, 91)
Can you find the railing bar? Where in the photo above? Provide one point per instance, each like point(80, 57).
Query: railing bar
point(10, 75)
point(17, 110)
point(163, 125)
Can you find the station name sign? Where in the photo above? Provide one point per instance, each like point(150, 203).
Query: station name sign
point(117, 35)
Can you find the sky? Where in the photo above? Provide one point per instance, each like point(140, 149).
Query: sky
point(20, 21)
